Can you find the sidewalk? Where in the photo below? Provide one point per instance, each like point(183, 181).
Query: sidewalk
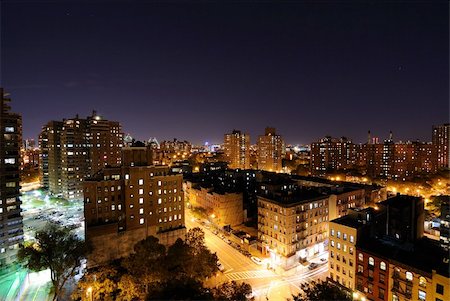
point(38, 288)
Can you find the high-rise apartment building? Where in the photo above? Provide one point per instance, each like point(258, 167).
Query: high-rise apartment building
point(76, 148)
point(124, 205)
point(237, 150)
point(440, 140)
point(332, 154)
point(271, 149)
point(11, 225)
point(388, 160)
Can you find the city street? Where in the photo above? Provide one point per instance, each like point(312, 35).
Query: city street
point(266, 284)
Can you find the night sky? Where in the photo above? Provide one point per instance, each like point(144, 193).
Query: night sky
point(196, 71)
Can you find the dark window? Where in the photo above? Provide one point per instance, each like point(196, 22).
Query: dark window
point(381, 278)
point(381, 293)
point(439, 289)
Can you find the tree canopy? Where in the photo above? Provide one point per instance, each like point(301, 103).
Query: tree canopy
point(58, 249)
point(322, 290)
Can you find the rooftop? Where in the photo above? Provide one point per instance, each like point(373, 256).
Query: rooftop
point(426, 254)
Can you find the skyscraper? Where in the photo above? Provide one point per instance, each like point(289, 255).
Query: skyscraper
point(76, 148)
point(441, 143)
point(237, 149)
point(11, 226)
point(270, 151)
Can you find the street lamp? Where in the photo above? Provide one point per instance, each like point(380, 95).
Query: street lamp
point(89, 292)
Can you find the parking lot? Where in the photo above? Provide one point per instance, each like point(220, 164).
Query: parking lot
point(39, 208)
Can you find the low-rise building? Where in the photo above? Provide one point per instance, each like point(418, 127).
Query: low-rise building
point(224, 207)
point(292, 226)
point(343, 235)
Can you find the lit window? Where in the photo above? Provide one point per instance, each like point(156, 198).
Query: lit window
point(352, 239)
point(10, 161)
point(360, 257)
point(383, 266)
point(141, 200)
point(141, 191)
point(159, 183)
point(141, 221)
point(141, 210)
point(9, 129)
point(338, 234)
point(371, 261)
point(339, 245)
point(332, 232)
point(159, 201)
point(345, 236)
point(422, 281)
point(113, 207)
point(141, 181)
point(422, 295)
point(409, 276)
point(127, 177)
point(332, 243)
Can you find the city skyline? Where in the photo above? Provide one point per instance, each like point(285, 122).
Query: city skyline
point(208, 67)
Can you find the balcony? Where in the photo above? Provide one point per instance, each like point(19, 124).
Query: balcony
point(399, 290)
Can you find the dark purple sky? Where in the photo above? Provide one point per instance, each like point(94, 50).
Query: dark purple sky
point(196, 71)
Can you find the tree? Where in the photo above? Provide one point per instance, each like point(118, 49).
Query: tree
point(318, 291)
point(195, 238)
point(233, 291)
point(146, 262)
point(130, 289)
point(182, 260)
point(57, 249)
point(181, 289)
point(101, 284)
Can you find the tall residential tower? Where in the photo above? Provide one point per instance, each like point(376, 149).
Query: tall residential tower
point(237, 149)
point(270, 151)
point(11, 225)
point(76, 148)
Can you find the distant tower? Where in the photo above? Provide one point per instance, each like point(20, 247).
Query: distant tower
point(390, 136)
point(368, 137)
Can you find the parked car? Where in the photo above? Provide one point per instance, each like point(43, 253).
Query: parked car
point(313, 265)
point(256, 260)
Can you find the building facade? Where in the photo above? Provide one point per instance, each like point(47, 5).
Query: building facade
point(292, 228)
point(237, 150)
point(225, 208)
point(11, 225)
point(271, 150)
point(440, 140)
point(126, 204)
point(331, 155)
point(76, 148)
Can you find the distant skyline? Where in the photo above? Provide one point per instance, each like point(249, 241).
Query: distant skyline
point(197, 71)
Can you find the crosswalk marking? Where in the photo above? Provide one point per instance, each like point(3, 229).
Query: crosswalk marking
point(249, 275)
